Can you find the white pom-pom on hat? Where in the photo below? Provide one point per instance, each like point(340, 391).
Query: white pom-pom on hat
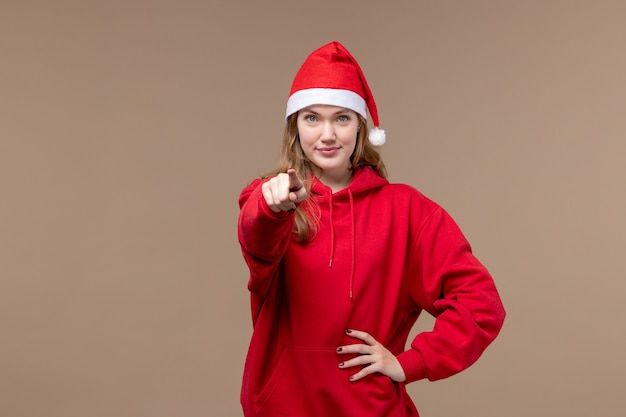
point(331, 75)
point(377, 136)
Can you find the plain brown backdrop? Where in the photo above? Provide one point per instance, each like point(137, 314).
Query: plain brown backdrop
point(128, 128)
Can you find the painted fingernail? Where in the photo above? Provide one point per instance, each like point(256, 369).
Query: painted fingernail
point(339, 349)
point(352, 378)
point(348, 331)
point(341, 364)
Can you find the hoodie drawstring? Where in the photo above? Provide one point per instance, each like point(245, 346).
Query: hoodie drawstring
point(332, 232)
point(352, 240)
point(353, 243)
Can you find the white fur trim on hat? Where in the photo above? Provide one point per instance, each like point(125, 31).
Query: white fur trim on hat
point(329, 96)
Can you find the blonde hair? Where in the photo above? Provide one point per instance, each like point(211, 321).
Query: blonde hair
point(292, 156)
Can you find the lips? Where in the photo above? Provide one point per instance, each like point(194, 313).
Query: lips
point(328, 150)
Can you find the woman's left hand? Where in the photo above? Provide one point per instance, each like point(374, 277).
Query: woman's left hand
point(373, 356)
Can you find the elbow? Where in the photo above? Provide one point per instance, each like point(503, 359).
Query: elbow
point(493, 318)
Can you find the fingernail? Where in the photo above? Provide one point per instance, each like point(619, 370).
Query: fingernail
point(341, 364)
point(352, 378)
point(339, 349)
point(348, 331)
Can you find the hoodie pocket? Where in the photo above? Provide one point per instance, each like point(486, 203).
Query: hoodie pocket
point(308, 382)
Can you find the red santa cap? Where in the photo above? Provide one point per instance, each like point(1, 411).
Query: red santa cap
point(331, 75)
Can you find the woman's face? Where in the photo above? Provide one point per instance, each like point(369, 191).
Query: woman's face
point(328, 137)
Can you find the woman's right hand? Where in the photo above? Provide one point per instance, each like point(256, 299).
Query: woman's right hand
point(284, 191)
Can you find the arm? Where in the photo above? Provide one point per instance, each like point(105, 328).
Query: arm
point(265, 225)
point(453, 286)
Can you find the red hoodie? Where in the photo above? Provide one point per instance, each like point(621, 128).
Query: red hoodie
point(382, 254)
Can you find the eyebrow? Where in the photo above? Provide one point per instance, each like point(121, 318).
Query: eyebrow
point(343, 110)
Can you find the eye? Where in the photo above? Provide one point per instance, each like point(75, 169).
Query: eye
point(310, 118)
point(343, 118)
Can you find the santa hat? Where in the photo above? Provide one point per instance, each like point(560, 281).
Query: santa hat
point(331, 75)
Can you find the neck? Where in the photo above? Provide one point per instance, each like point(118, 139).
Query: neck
point(337, 181)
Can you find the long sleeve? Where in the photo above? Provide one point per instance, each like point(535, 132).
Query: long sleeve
point(263, 236)
point(453, 286)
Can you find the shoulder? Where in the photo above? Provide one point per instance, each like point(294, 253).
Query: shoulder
point(402, 188)
point(402, 201)
point(411, 202)
point(406, 191)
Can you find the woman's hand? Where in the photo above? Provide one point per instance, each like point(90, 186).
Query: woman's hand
point(373, 356)
point(284, 191)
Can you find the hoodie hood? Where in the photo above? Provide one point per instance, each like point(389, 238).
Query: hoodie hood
point(365, 179)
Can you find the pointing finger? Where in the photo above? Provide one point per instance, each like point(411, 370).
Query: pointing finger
point(295, 183)
point(297, 191)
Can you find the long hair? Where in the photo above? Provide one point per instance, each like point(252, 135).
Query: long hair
point(292, 156)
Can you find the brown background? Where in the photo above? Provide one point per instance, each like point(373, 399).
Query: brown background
point(128, 129)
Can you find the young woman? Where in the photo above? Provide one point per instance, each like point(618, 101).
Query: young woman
point(342, 263)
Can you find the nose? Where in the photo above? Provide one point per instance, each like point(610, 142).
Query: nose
point(328, 131)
